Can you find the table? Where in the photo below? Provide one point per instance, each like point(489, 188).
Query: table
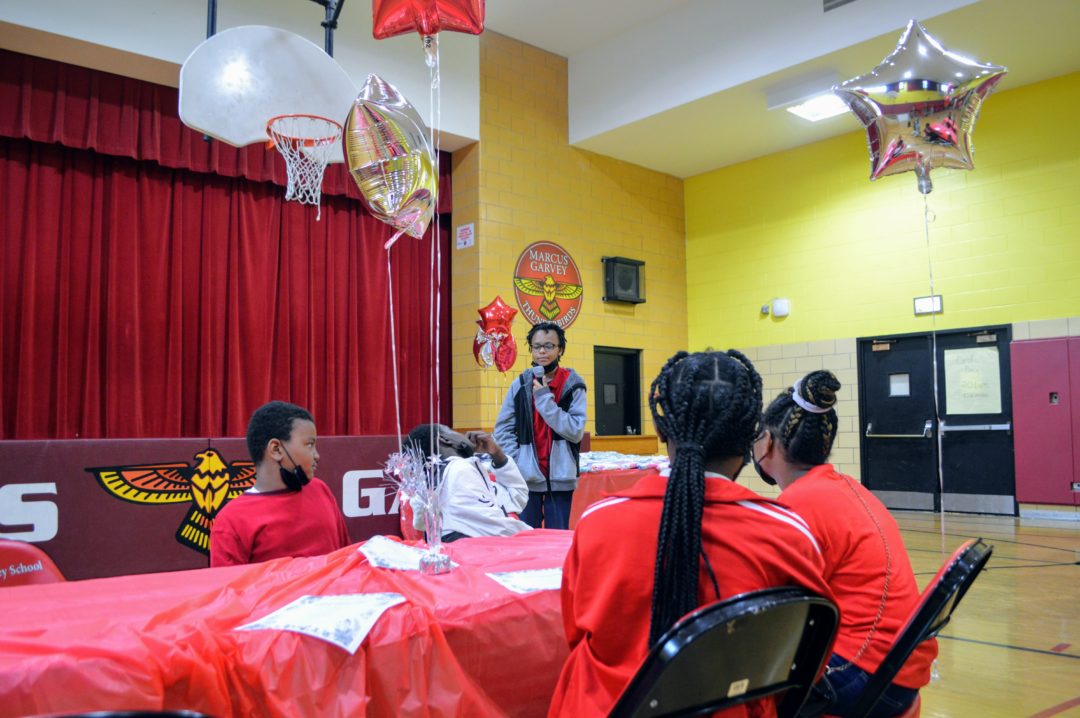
point(595, 485)
point(461, 644)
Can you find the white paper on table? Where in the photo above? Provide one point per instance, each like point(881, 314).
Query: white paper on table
point(342, 620)
point(382, 552)
point(541, 579)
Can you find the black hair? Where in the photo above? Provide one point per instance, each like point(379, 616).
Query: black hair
point(806, 437)
point(423, 438)
point(272, 421)
point(547, 327)
point(708, 405)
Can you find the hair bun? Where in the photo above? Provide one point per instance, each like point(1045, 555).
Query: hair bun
point(819, 388)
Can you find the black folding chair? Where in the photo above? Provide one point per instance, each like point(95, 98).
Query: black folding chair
point(747, 647)
point(939, 600)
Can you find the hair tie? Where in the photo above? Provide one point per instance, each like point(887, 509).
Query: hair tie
point(691, 447)
point(796, 394)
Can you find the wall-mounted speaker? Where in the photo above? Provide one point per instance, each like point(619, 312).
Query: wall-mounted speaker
point(624, 280)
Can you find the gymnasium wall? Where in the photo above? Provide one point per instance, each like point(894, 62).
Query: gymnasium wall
point(851, 254)
point(523, 183)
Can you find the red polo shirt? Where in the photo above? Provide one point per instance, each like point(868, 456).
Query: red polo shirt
point(541, 431)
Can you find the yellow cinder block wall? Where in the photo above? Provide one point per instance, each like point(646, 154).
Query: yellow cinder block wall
point(523, 183)
point(851, 254)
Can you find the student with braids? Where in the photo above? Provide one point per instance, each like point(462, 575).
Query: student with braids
point(711, 538)
point(866, 564)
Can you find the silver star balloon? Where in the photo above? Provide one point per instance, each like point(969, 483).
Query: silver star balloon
point(919, 106)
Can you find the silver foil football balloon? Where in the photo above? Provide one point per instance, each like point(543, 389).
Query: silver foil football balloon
point(919, 106)
point(390, 158)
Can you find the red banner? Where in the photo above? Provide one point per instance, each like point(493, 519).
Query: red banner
point(125, 506)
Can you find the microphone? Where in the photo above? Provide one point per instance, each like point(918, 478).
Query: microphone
point(538, 372)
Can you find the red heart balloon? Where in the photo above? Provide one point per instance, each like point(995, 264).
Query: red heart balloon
point(397, 17)
point(506, 354)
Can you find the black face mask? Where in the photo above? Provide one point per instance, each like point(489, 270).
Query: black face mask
point(295, 478)
point(765, 476)
point(550, 367)
point(465, 450)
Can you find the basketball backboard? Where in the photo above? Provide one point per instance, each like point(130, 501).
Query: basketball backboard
point(240, 78)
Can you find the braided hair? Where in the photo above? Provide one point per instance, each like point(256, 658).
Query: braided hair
point(806, 437)
point(708, 405)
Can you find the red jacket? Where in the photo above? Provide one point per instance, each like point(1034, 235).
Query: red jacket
point(752, 543)
point(836, 507)
point(258, 527)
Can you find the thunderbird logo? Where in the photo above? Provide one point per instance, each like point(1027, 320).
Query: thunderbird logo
point(547, 285)
point(208, 485)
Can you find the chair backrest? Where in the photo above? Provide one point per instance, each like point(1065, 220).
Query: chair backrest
point(939, 600)
point(747, 647)
point(25, 564)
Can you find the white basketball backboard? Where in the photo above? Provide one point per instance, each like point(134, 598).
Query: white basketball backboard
point(235, 81)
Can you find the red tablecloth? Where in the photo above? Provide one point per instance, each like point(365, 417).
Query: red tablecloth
point(461, 645)
point(594, 485)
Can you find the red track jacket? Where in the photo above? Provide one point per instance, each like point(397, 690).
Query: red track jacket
point(752, 543)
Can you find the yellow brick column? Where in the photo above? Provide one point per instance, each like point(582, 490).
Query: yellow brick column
point(523, 183)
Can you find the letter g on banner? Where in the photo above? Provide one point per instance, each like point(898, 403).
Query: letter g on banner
point(359, 502)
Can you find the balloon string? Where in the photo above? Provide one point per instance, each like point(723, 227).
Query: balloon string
point(431, 49)
point(393, 342)
point(390, 242)
point(928, 217)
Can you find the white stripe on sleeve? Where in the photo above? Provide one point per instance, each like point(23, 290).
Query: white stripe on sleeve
point(785, 516)
point(602, 504)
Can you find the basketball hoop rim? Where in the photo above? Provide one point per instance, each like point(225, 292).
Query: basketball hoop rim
point(306, 141)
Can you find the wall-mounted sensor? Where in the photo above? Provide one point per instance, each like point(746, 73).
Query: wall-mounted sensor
point(781, 307)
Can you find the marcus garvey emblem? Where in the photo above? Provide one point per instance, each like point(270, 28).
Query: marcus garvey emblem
point(547, 285)
point(208, 485)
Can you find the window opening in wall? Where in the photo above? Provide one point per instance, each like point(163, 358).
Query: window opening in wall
point(899, 385)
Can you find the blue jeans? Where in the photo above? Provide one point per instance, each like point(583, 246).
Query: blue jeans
point(843, 689)
point(541, 512)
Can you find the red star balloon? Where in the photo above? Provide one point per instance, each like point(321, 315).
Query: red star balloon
point(497, 313)
point(397, 17)
point(919, 106)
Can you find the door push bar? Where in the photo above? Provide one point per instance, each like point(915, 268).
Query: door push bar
point(977, 427)
point(928, 428)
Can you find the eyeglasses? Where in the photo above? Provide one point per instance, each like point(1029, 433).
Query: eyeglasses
point(542, 347)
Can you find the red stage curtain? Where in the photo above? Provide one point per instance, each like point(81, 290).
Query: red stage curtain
point(77, 107)
point(141, 299)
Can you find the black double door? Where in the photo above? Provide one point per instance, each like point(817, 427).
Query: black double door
point(904, 432)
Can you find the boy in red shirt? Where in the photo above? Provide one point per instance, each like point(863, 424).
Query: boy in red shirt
point(866, 564)
point(287, 512)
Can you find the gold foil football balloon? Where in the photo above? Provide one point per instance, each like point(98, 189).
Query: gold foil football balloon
point(390, 158)
point(919, 106)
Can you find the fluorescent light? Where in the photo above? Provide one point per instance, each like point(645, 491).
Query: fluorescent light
point(820, 107)
point(810, 97)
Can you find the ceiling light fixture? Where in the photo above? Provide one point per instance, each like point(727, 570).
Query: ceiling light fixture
point(809, 97)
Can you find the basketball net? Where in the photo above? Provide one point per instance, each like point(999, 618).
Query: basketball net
point(307, 142)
